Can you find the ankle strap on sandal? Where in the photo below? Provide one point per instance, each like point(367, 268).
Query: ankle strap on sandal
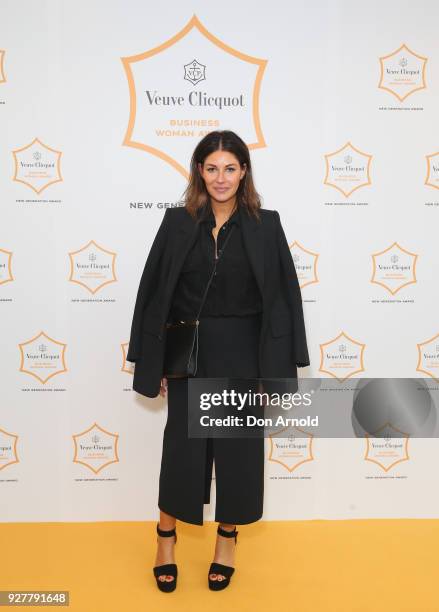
point(166, 533)
point(227, 534)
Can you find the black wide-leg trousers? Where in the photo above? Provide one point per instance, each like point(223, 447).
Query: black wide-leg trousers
point(228, 347)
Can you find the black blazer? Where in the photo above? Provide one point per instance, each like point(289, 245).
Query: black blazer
point(282, 346)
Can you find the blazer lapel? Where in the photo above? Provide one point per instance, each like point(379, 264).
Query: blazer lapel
point(185, 238)
point(254, 243)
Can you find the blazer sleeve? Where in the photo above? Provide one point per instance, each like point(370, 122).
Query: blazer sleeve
point(146, 288)
point(294, 295)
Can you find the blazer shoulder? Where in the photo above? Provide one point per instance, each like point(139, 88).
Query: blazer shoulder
point(267, 213)
point(177, 214)
point(177, 210)
point(270, 218)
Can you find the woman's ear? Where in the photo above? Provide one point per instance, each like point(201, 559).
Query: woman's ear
point(200, 168)
point(243, 170)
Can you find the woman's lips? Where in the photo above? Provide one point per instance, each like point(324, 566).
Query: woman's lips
point(222, 189)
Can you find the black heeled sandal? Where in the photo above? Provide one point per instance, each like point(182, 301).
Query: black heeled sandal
point(169, 569)
point(219, 568)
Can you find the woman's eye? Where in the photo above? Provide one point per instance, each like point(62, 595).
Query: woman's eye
point(231, 169)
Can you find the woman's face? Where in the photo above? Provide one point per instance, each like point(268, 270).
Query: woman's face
point(221, 173)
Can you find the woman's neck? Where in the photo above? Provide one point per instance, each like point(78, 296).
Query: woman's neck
point(223, 210)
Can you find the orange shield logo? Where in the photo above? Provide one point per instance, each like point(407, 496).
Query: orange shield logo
point(188, 86)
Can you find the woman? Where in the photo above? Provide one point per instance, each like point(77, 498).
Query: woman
point(251, 325)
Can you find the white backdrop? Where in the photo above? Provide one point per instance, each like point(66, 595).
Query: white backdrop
point(323, 116)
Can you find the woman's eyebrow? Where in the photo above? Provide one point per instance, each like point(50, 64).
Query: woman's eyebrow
point(214, 165)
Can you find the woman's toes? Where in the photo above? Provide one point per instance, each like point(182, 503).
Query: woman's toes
point(166, 578)
point(217, 577)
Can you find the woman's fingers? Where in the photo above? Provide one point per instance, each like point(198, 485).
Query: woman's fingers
point(163, 386)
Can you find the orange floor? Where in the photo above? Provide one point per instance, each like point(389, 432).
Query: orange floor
point(328, 566)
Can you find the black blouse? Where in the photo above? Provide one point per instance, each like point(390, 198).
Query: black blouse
point(233, 290)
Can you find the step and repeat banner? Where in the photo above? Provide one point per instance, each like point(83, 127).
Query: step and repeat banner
point(101, 106)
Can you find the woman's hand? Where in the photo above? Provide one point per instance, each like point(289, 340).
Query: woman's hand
point(163, 387)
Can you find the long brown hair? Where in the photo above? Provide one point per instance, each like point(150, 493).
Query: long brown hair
point(196, 196)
